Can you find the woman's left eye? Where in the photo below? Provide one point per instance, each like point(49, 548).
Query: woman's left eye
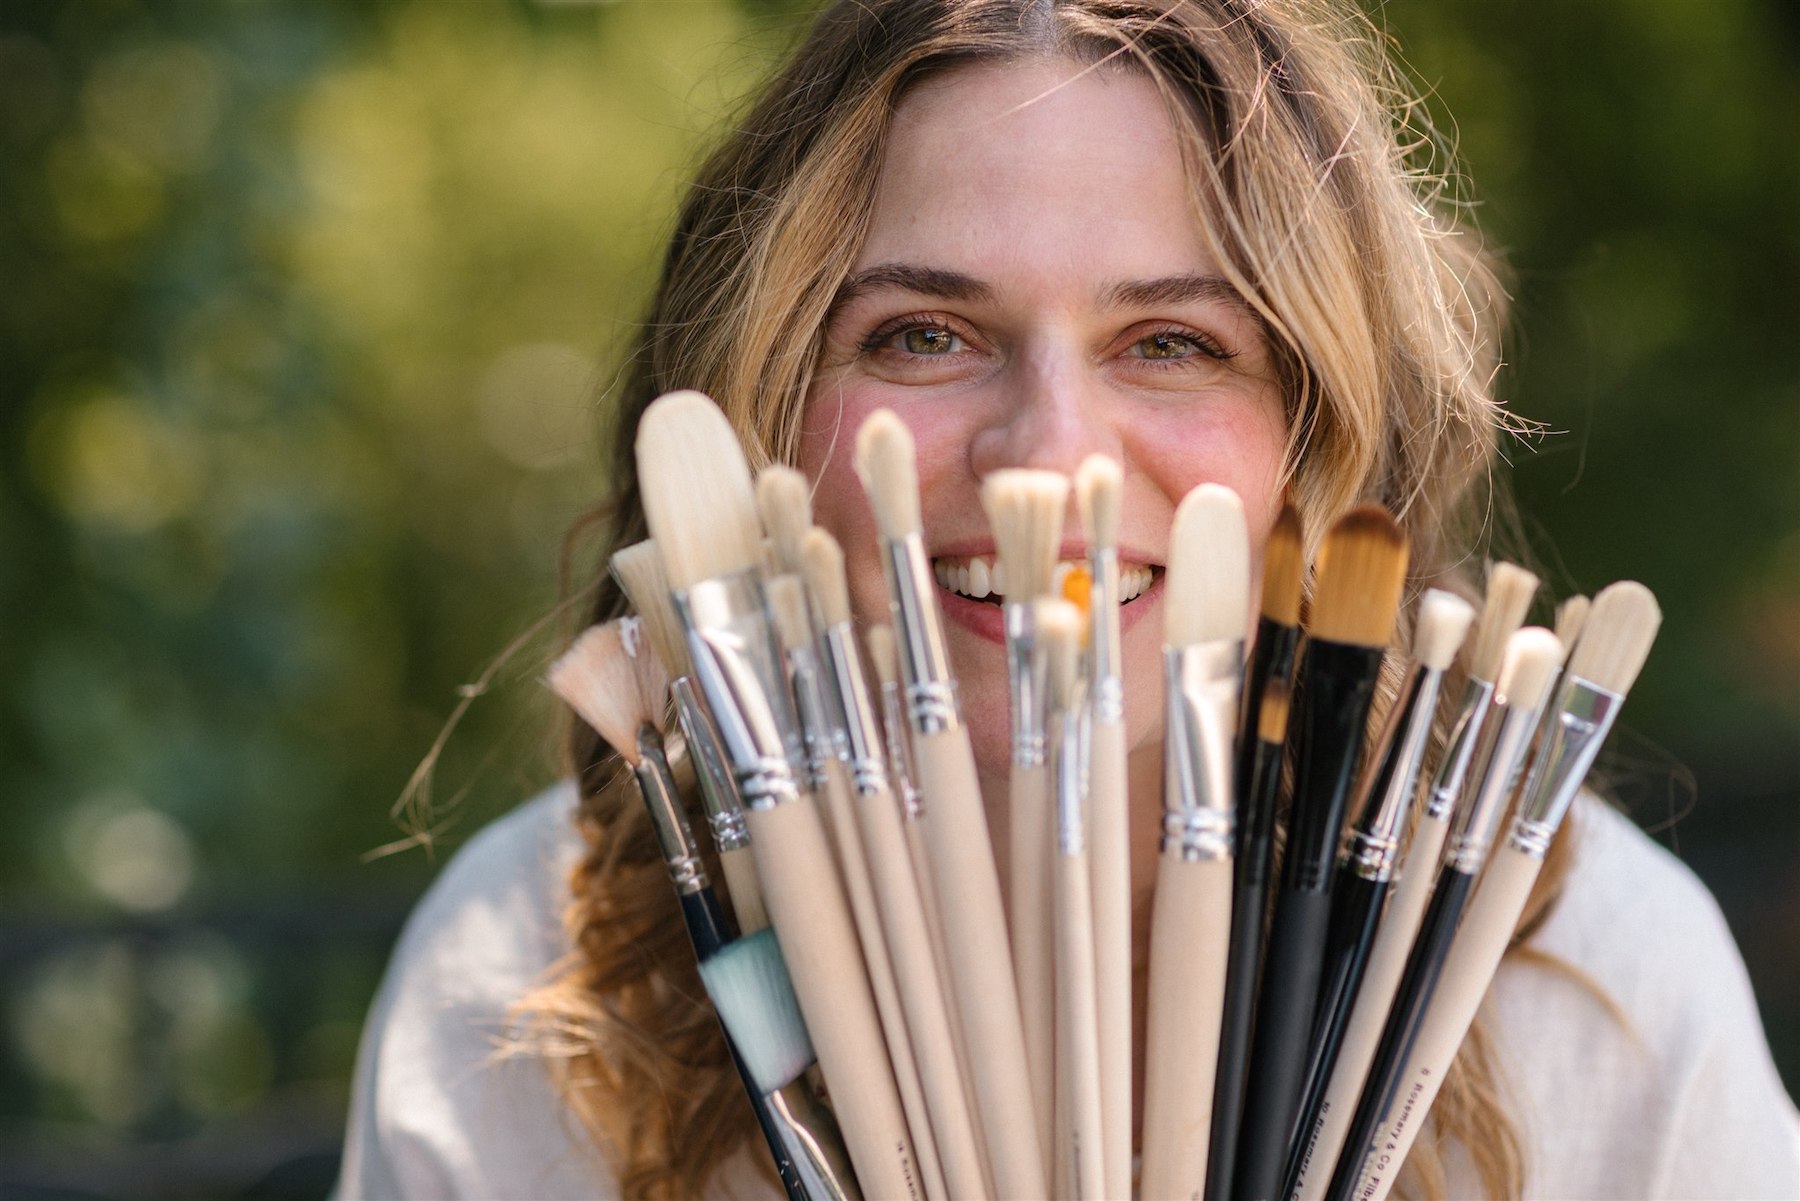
point(1172, 344)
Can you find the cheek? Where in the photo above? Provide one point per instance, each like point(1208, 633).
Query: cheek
point(1240, 445)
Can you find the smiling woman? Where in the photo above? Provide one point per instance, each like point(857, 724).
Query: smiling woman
point(1187, 237)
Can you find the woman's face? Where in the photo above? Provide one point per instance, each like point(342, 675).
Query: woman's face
point(1033, 290)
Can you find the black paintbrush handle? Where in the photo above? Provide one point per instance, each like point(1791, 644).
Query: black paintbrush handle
point(1284, 1015)
point(1417, 985)
point(1250, 902)
point(707, 930)
point(1356, 905)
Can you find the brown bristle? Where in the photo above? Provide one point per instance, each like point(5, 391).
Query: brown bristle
point(1272, 719)
point(1362, 570)
point(639, 570)
point(698, 496)
point(1284, 564)
point(784, 502)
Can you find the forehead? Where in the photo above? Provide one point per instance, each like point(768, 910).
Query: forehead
point(1041, 164)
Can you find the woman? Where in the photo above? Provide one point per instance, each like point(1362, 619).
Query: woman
point(1181, 234)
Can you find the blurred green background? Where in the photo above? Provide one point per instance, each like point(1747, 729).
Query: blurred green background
point(306, 309)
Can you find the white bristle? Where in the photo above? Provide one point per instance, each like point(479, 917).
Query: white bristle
point(1444, 620)
point(1616, 638)
point(1059, 633)
point(884, 655)
point(785, 502)
point(596, 678)
point(824, 562)
point(1509, 592)
point(889, 471)
point(787, 607)
point(1025, 510)
point(1206, 592)
point(639, 570)
point(646, 667)
point(1533, 657)
point(1099, 482)
point(749, 986)
point(698, 497)
point(1571, 615)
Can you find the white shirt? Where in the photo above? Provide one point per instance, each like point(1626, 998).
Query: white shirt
point(1681, 1100)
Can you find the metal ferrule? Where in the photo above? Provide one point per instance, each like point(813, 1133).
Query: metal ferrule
point(738, 667)
point(679, 849)
point(1579, 722)
point(1071, 774)
point(1447, 785)
point(1028, 672)
point(862, 733)
point(924, 663)
point(1201, 684)
point(1375, 840)
point(912, 801)
point(807, 684)
point(1103, 617)
point(1473, 834)
point(718, 788)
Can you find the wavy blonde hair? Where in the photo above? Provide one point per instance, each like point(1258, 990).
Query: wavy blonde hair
point(1310, 166)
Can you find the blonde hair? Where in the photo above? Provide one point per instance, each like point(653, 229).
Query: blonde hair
point(1306, 153)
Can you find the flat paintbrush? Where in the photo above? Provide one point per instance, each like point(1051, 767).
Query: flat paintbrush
point(1261, 746)
point(701, 508)
point(955, 825)
point(1600, 671)
point(1206, 599)
point(1361, 572)
point(1533, 656)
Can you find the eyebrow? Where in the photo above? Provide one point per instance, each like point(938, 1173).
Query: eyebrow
point(944, 284)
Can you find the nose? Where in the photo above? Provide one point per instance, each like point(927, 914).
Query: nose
point(1052, 413)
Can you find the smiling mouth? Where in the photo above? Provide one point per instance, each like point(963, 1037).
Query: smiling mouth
point(982, 578)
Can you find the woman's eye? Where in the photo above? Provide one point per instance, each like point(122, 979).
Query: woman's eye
point(1168, 344)
point(929, 340)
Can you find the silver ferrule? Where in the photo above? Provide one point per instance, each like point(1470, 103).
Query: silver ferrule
point(815, 1147)
point(807, 684)
point(924, 663)
point(1201, 684)
point(718, 787)
point(1473, 835)
point(1447, 785)
point(862, 732)
point(1103, 617)
point(1028, 673)
point(738, 667)
point(679, 849)
point(1071, 774)
point(1578, 723)
point(893, 724)
point(1375, 840)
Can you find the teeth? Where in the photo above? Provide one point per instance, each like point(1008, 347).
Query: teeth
point(981, 578)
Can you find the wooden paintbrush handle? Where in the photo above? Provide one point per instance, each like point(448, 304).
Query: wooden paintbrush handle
point(739, 866)
point(1190, 929)
point(1077, 1031)
point(1481, 942)
point(1032, 834)
point(921, 994)
point(1109, 849)
point(962, 868)
point(818, 940)
point(1387, 963)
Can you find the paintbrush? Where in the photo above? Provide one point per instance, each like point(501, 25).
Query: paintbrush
point(828, 777)
point(639, 570)
point(1025, 511)
point(956, 834)
point(1205, 597)
point(1361, 572)
point(1098, 488)
point(1509, 592)
point(614, 687)
point(701, 508)
point(1262, 742)
point(1533, 656)
point(903, 919)
point(1616, 639)
point(1367, 869)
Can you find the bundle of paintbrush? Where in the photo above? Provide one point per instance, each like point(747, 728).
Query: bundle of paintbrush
point(975, 1048)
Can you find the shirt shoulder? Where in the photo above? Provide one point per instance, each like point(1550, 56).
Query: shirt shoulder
point(1631, 1040)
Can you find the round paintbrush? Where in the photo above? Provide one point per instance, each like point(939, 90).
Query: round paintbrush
point(701, 508)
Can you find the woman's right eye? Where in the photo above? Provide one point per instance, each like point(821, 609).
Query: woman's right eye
point(924, 339)
point(916, 336)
